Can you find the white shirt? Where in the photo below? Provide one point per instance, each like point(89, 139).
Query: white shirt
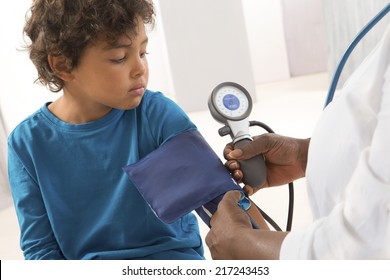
point(348, 171)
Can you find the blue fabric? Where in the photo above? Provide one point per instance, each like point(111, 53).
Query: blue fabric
point(181, 176)
point(72, 198)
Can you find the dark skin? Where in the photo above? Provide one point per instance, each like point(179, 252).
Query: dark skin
point(285, 158)
point(231, 235)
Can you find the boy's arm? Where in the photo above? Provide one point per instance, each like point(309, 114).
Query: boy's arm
point(37, 239)
point(165, 118)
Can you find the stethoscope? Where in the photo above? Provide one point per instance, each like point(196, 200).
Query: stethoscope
point(231, 105)
point(344, 58)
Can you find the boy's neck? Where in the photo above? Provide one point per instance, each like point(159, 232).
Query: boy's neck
point(70, 111)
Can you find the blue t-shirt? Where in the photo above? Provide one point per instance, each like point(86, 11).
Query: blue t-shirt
point(72, 198)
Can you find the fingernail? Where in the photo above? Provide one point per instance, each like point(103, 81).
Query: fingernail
point(236, 153)
point(248, 190)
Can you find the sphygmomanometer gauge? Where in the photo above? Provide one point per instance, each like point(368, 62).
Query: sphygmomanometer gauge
point(230, 101)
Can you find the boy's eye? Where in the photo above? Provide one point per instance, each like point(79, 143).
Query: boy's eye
point(144, 54)
point(119, 60)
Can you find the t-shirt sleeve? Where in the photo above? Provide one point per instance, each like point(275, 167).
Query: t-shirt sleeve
point(164, 117)
point(37, 239)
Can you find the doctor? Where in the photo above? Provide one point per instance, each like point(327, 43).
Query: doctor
point(347, 166)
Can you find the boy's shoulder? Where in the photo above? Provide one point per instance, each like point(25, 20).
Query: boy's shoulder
point(151, 95)
point(26, 125)
point(156, 98)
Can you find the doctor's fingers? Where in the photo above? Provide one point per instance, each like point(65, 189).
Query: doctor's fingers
point(234, 168)
point(229, 212)
point(226, 151)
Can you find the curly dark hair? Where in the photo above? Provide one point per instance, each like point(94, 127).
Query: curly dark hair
point(65, 27)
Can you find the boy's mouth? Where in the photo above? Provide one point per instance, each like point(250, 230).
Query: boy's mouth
point(137, 90)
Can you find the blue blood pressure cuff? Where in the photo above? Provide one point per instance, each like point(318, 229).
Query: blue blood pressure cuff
point(182, 175)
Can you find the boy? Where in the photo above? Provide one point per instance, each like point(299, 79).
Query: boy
point(72, 198)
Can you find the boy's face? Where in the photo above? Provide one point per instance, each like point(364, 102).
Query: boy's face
point(111, 76)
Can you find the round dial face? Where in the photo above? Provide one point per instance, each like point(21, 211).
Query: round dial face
point(231, 102)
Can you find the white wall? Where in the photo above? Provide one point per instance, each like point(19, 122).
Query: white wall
point(264, 27)
point(18, 95)
point(305, 36)
point(206, 46)
point(5, 194)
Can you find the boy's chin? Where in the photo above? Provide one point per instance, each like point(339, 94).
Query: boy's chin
point(134, 104)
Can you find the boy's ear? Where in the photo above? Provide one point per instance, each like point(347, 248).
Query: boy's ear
point(61, 66)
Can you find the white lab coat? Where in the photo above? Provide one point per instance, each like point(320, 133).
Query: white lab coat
point(348, 171)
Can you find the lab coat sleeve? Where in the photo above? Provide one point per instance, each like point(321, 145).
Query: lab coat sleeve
point(359, 227)
point(36, 239)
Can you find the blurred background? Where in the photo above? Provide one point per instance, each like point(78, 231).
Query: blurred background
point(282, 51)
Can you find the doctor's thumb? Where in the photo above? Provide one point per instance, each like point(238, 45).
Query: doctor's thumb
point(236, 154)
point(231, 198)
point(233, 195)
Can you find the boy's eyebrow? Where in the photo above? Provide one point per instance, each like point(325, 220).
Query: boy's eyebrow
point(119, 46)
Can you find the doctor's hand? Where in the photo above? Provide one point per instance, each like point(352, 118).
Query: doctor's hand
point(285, 159)
point(231, 235)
